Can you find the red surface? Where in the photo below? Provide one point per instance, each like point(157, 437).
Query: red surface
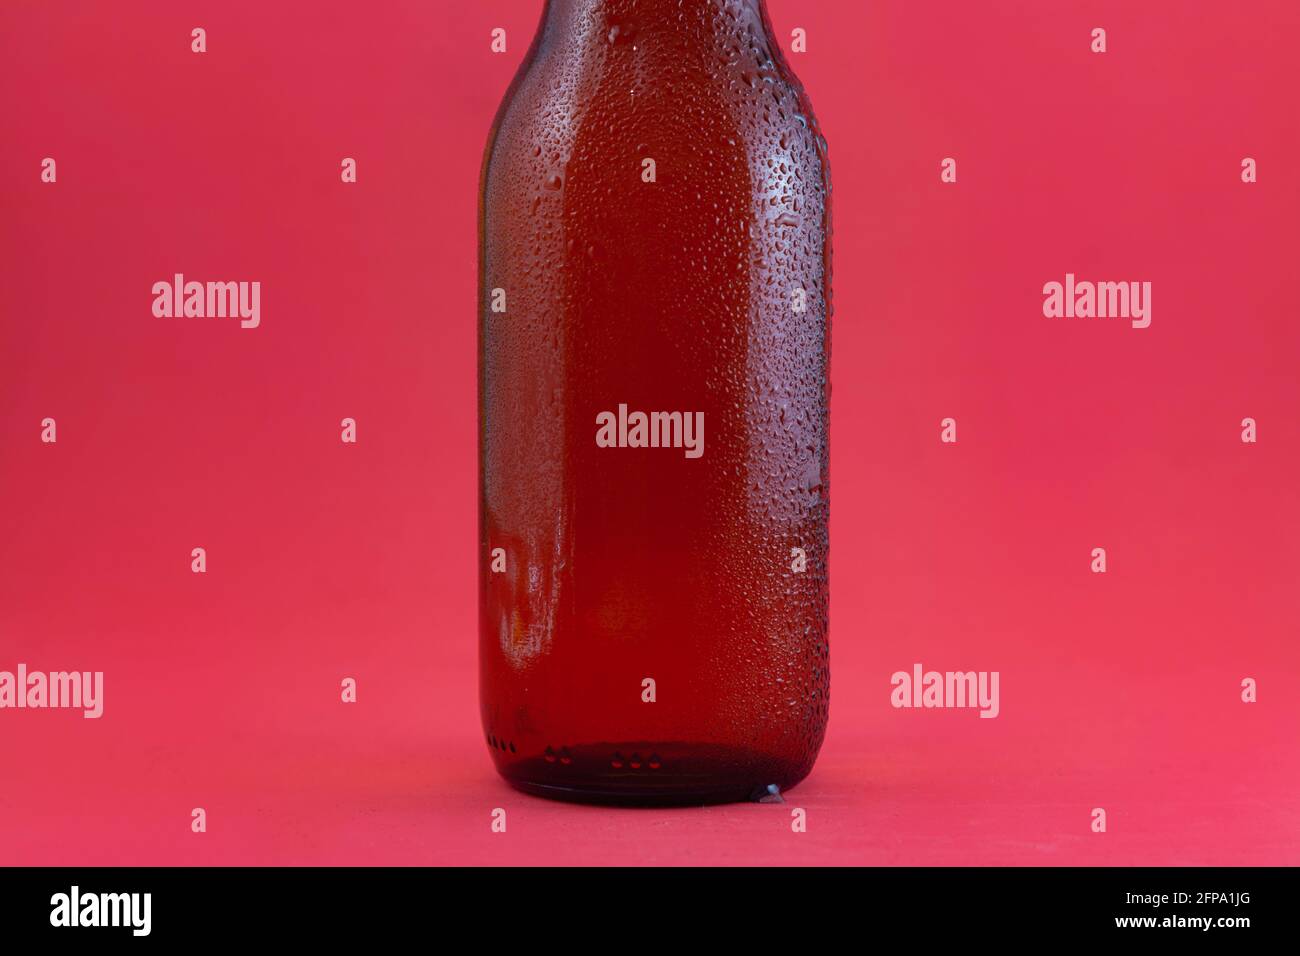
point(328, 560)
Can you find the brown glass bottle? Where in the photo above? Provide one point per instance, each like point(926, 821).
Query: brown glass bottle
point(654, 239)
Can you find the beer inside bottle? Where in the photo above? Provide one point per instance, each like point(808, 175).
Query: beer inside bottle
point(653, 387)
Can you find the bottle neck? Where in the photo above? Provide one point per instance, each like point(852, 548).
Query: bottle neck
point(624, 21)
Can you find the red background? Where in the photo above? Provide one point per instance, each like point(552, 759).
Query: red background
point(328, 560)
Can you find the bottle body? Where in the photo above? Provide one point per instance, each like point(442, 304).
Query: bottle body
point(653, 401)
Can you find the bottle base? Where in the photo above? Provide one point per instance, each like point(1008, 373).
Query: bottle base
point(651, 775)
